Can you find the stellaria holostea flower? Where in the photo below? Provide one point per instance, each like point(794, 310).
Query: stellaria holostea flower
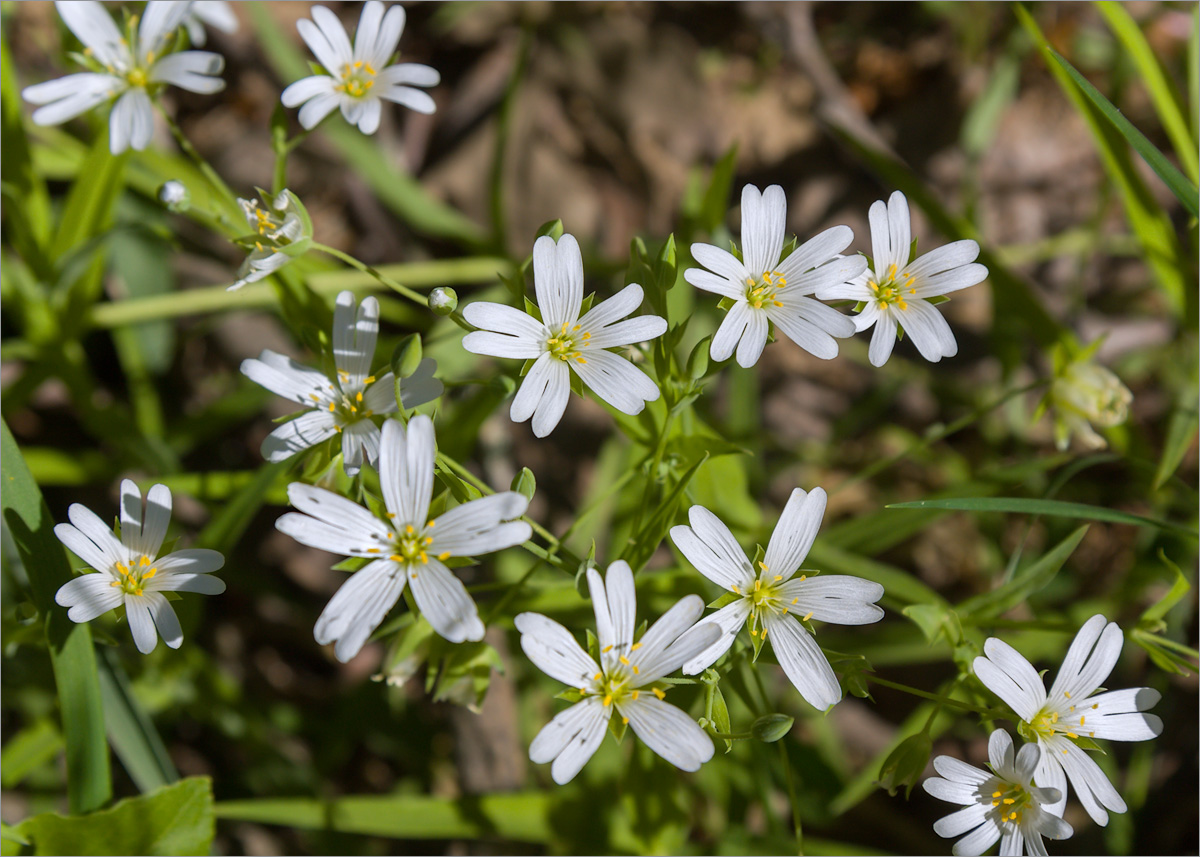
point(767, 290)
point(897, 292)
point(625, 681)
point(280, 230)
point(129, 570)
point(408, 548)
point(1084, 394)
point(217, 14)
point(772, 600)
point(563, 342)
point(130, 68)
point(1059, 720)
point(357, 77)
point(1003, 805)
point(344, 405)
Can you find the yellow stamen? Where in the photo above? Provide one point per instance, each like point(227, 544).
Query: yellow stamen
point(808, 615)
point(623, 660)
point(444, 556)
point(607, 700)
point(658, 693)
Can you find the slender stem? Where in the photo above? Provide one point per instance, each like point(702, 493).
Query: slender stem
point(996, 713)
point(660, 449)
point(792, 800)
point(731, 736)
point(414, 296)
point(282, 151)
point(185, 144)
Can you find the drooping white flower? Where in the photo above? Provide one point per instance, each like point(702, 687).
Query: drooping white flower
point(1056, 721)
point(774, 602)
point(212, 13)
point(1085, 394)
point(623, 682)
point(562, 342)
point(896, 293)
point(280, 231)
point(129, 570)
point(408, 548)
point(130, 69)
point(1003, 805)
point(357, 77)
point(344, 405)
point(766, 290)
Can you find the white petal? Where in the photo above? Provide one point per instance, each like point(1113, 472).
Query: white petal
point(730, 332)
point(554, 651)
point(690, 646)
point(1028, 758)
point(763, 222)
point(132, 122)
point(141, 623)
point(816, 251)
point(1092, 655)
point(715, 552)
point(656, 656)
point(577, 724)
point(795, 531)
point(415, 390)
point(70, 96)
point(327, 39)
point(583, 744)
point(372, 113)
point(445, 602)
point(164, 618)
point(204, 584)
point(558, 279)
point(952, 792)
point(409, 74)
point(355, 330)
point(285, 377)
point(960, 772)
point(950, 281)
point(215, 13)
point(532, 389)
point(88, 523)
point(721, 262)
point(884, 338)
point(842, 600)
point(160, 19)
point(387, 36)
point(957, 823)
point(928, 330)
point(803, 662)
point(855, 289)
point(1116, 715)
point(500, 318)
point(977, 841)
point(1000, 754)
point(640, 329)
point(195, 71)
point(360, 441)
point(753, 340)
point(94, 27)
point(100, 557)
point(304, 432)
point(617, 381)
point(618, 612)
point(668, 731)
point(944, 258)
point(406, 469)
point(829, 276)
point(307, 88)
point(1012, 842)
point(358, 607)
point(317, 109)
point(1050, 775)
point(144, 538)
point(715, 283)
point(475, 528)
point(793, 320)
point(613, 309)
point(367, 30)
point(413, 99)
point(89, 596)
point(352, 520)
point(1092, 787)
point(553, 403)
point(1006, 673)
point(729, 619)
point(501, 344)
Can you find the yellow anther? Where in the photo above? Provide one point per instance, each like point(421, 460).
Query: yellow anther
point(408, 528)
point(396, 558)
point(1067, 694)
point(597, 676)
point(115, 583)
point(635, 647)
point(624, 719)
point(763, 566)
point(636, 671)
point(424, 556)
point(995, 803)
point(372, 550)
point(445, 555)
point(753, 632)
point(429, 540)
point(796, 600)
point(370, 379)
point(734, 587)
point(145, 560)
point(1097, 705)
point(607, 700)
point(757, 585)
point(623, 660)
point(358, 396)
point(658, 693)
point(997, 793)
point(1072, 735)
point(607, 649)
point(634, 696)
point(803, 578)
point(1010, 800)
point(430, 523)
point(808, 615)
point(1082, 720)
point(778, 578)
point(332, 408)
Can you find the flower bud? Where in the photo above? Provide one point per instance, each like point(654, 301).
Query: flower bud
point(174, 196)
point(904, 765)
point(443, 301)
point(697, 364)
point(407, 356)
point(771, 727)
point(524, 483)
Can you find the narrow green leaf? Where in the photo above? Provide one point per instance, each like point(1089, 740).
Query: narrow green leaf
point(1180, 430)
point(716, 198)
point(176, 819)
point(226, 527)
point(521, 817)
point(900, 586)
point(89, 784)
point(1024, 583)
point(1155, 612)
point(131, 731)
point(1054, 508)
point(1183, 189)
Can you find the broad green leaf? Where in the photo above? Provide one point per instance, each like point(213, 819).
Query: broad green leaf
point(520, 817)
point(176, 819)
point(32, 529)
point(1024, 583)
point(1054, 508)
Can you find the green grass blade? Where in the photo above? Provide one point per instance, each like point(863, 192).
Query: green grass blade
point(520, 817)
point(1053, 508)
point(89, 783)
point(133, 735)
point(1180, 430)
point(1032, 579)
point(1161, 93)
point(1183, 189)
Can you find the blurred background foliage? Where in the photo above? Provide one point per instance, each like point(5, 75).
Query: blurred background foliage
point(624, 120)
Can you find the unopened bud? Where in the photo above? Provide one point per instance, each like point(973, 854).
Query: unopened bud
point(174, 196)
point(524, 483)
point(443, 301)
point(697, 364)
point(771, 727)
point(407, 356)
point(904, 765)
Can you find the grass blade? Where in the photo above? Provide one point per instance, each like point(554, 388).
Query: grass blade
point(1054, 508)
point(1034, 578)
point(89, 782)
point(133, 735)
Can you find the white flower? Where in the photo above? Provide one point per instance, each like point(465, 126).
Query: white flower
point(562, 339)
point(1002, 805)
point(766, 290)
point(129, 570)
point(343, 406)
point(771, 601)
point(131, 70)
point(408, 547)
point(357, 78)
point(1084, 394)
point(1069, 712)
point(897, 292)
point(214, 13)
point(624, 681)
point(280, 232)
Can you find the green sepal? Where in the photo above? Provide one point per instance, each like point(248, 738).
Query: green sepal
point(720, 713)
point(772, 727)
point(757, 641)
point(726, 304)
point(904, 765)
point(531, 308)
point(569, 695)
point(760, 554)
point(553, 228)
point(593, 644)
point(617, 726)
point(725, 600)
point(938, 299)
point(526, 366)
point(350, 563)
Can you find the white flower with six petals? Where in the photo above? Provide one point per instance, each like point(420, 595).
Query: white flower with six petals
point(766, 290)
point(346, 405)
point(623, 681)
point(358, 78)
point(129, 570)
point(409, 548)
point(1070, 711)
point(562, 342)
point(131, 75)
point(1003, 805)
point(772, 601)
point(896, 294)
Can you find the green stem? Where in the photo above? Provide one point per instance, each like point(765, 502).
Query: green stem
point(415, 297)
point(995, 713)
point(660, 449)
point(279, 181)
point(185, 144)
point(791, 790)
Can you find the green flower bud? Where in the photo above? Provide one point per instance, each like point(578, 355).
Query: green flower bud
point(443, 301)
point(697, 364)
point(524, 483)
point(771, 727)
point(407, 356)
point(904, 765)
